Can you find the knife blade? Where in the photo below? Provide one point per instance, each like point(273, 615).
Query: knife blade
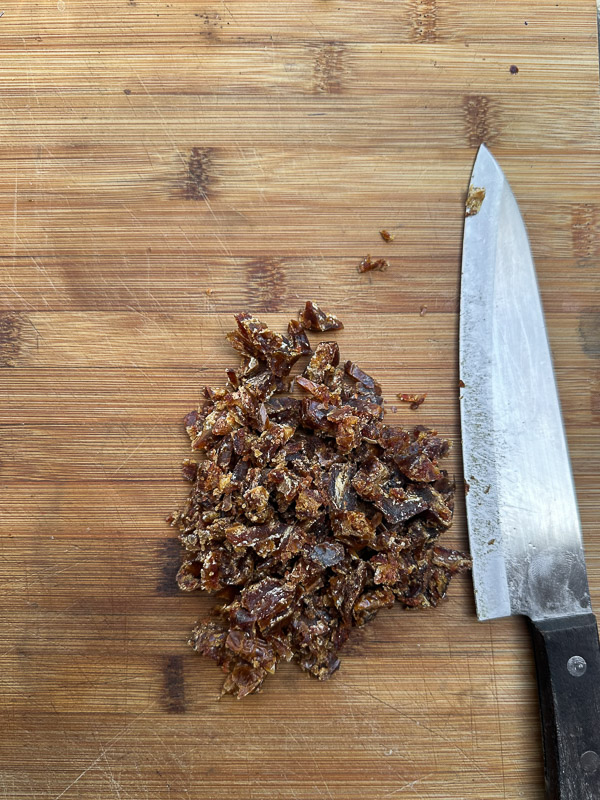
point(522, 515)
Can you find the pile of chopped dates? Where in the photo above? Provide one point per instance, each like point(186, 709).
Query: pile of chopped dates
point(307, 514)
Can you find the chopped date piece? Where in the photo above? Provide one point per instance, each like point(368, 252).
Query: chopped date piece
point(252, 649)
point(299, 337)
point(284, 410)
point(475, 197)
point(188, 575)
point(368, 265)
point(415, 400)
point(266, 599)
point(257, 504)
point(308, 504)
point(346, 586)
point(386, 236)
point(319, 391)
point(189, 470)
point(354, 371)
point(313, 319)
point(243, 679)
point(348, 434)
point(327, 554)
point(209, 639)
point(253, 338)
point(452, 561)
point(355, 529)
point(341, 495)
point(321, 367)
point(307, 514)
point(369, 603)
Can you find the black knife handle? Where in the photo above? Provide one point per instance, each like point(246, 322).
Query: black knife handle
point(567, 659)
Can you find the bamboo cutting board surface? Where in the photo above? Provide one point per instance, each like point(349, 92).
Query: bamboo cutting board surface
point(164, 165)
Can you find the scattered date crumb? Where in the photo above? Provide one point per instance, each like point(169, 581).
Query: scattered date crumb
point(369, 265)
point(475, 198)
point(422, 311)
point(386, 236)
point(415, 400)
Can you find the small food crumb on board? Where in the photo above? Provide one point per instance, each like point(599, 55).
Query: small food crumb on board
point(368, 265)
point(422, 311)
point(475, 198)
point(513, 69)
point(415, 400)
point(386, 236)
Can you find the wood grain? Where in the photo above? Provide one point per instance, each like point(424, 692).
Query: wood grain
point(163, 165)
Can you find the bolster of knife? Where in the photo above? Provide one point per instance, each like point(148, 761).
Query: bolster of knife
point(567, 656)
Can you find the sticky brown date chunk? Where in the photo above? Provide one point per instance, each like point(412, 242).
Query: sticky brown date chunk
point(312, 318)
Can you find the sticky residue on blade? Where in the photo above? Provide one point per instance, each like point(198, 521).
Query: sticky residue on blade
point(475, 198)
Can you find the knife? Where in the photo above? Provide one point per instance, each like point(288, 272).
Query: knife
point(522, 515)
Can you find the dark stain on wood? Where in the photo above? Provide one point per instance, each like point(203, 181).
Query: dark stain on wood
point(423, 16)
point(169, 559)
point(266, 284)
point(174, 684)
point(480, 126)
point(595, 399)
point(199, 175)
point(92, 289)
point(328, 68)
point(11, 330)
point(589, 332)
point(585, 234)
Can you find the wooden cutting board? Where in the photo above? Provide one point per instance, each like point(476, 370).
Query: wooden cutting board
point(163, 166)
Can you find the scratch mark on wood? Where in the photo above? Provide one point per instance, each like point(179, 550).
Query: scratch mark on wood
point(436, 732)
point(498, 713)
point(409, 785)
point(114, 784)
point(104, 751)
point(130, 455)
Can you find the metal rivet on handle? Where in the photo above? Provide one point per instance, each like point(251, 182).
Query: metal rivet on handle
point(590, 761)
point(577, 666)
